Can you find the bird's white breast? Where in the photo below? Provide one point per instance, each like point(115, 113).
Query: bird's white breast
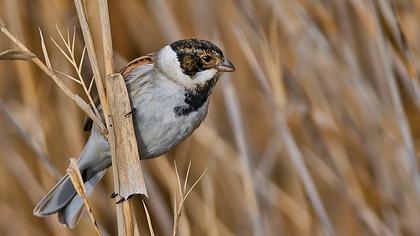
point(157, 127)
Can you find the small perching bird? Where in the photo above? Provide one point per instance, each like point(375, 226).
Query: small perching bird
point(169, 94)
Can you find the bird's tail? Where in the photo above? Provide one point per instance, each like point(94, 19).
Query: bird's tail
point(62, 198)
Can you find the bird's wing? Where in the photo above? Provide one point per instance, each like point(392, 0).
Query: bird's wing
point(144, 61)
point(136, 63)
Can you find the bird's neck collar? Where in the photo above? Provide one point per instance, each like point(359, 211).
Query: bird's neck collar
point(196, 97)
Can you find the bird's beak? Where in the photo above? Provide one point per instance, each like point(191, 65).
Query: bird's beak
point(226, 66)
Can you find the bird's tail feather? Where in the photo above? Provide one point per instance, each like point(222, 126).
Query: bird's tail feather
point(56, 198)
point(63, 199)
point(70, 214)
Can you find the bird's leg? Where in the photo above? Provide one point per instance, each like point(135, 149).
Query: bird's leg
point(133, 110)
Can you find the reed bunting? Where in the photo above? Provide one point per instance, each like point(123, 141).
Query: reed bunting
point(169, 94)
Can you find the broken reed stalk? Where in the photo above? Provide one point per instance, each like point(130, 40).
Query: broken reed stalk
point(128, 166)
point(134, 181)
point(128, 177)
point(77, 181)
point(123, 210)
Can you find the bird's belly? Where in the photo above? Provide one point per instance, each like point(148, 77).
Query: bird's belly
point(158, 130)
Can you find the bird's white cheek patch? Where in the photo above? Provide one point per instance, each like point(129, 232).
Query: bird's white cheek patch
point(169, 65)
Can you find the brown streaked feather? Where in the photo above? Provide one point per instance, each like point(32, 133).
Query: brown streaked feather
point(143, 60)
point(148, 59)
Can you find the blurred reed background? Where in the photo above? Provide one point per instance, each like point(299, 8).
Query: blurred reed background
point(324, 105)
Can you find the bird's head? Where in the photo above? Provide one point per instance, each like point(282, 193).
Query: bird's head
point(192, 63)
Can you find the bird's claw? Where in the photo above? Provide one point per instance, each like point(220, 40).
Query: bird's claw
point(133, 110)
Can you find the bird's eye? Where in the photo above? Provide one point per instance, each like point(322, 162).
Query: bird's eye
point(206, 59)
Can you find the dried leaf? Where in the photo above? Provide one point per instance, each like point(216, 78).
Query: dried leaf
point(44, 50)
point(16, 54)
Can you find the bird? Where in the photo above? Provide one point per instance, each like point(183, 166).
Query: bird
point(169, 94)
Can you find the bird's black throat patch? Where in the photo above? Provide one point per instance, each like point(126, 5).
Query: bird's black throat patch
point(195, 98)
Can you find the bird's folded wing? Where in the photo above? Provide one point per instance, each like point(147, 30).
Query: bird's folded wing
point(125, 72)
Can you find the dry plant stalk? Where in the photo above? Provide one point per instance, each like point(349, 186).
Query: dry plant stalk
point(31, 142)
point(338, 109)
point(236, 122)
point(397, 103)
point(128, 177)
point(285, 133)
point(92, 57)
point(76, 179)
point(123, 144)
point(183, 194)
point(47, 69)
point(106, 37)
point(69, 54)
point(128, 172)
point(149, 221)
